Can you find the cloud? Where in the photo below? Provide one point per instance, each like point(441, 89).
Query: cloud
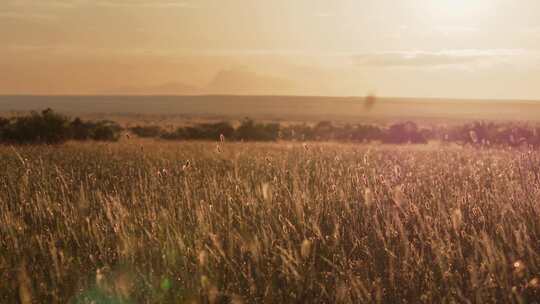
point(423, 59)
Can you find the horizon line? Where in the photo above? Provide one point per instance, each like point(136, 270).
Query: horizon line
point(278, 96)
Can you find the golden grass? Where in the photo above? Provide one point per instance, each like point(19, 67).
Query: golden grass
point(153, 222)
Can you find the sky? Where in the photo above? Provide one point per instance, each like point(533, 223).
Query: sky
point(401, 48)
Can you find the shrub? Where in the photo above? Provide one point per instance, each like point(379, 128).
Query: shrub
point(81, 130)
point(45, 127)
point(297, 132)
point(4, 122)
point(406, 132)
point(366, 133)
point(106, 131)
point(251, 131)
point(49, 127)
point(205, 131)
point(147, 131)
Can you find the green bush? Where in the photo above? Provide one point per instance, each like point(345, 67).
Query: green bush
point(402, 133)
point(49, 127)
point(251, 131)
point(45, 127)
point(205, 131)
point(106, 131)
point(147, 131)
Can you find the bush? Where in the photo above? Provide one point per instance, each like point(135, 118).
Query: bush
point(45, 127)
point(297, 132)
point(147, 131)
point(366, 133)
point(4, 122)
point(106, 131)
point(101, 131)
point(402, 133)
point(205, 131)
point(49, 127)
point(81, 130)
point(251, 131)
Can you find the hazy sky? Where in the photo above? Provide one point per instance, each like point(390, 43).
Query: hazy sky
point(425, 48)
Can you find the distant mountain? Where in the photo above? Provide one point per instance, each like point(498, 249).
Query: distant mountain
point(236, 81)
point(172, 88)
point(241, 81)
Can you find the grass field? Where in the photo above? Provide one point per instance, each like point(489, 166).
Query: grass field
point(156, 222)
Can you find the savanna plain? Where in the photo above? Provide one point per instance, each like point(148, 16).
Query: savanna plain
point(148, 221)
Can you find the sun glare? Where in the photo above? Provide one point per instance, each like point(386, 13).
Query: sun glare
point(459, 9)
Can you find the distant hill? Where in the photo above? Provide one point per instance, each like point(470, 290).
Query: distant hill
point(297, 108)
point(172, 88)
point(234, 81)
point(242, 81)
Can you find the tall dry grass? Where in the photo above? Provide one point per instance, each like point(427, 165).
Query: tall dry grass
point(271, 223)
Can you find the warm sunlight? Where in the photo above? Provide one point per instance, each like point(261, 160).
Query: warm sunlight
point(269, 151)
point(281, 47)
point(460, 9)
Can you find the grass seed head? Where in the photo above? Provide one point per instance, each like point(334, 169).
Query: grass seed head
point(267, 191)
point(202, 258)
point(457, 219)
point(519, 268)
point(205, 282)
point(534, 283)
point(368, 197)
point(305, 249)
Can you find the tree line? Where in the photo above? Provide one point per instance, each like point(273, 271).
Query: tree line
point(475, 133)
point(49, 127)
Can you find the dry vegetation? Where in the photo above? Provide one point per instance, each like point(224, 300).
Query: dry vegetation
point(147, 222)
